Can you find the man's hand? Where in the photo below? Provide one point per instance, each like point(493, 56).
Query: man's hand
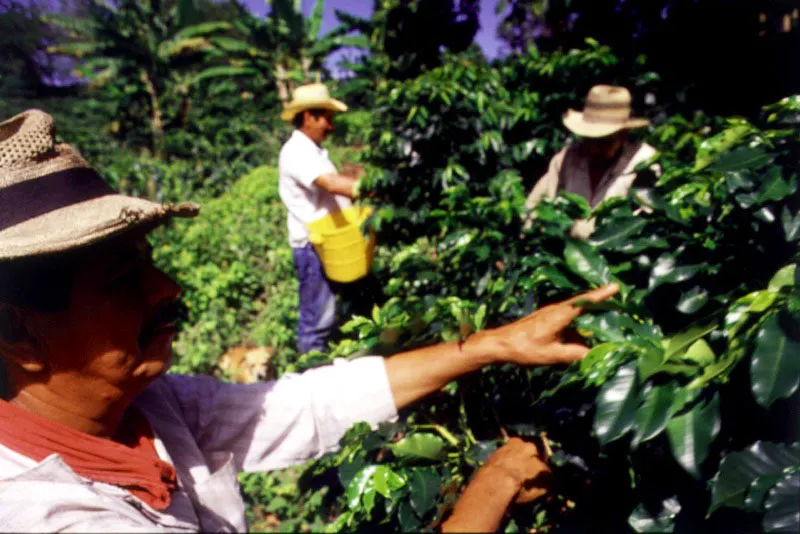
point(537, 339)
point(514, 473)
point(518, 463)
point(352, 170)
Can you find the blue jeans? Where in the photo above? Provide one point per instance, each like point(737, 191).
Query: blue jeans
point(317, 301)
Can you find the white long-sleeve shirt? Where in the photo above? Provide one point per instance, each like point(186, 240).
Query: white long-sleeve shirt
point(209, 431)
point(300, 163)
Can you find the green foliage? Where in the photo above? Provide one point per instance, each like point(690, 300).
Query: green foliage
point(695, 349)
point(691, 370)
point(235, 267)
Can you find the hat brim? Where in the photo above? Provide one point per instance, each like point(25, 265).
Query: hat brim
point(577, 124)
point(293, 108)
point(85, 223)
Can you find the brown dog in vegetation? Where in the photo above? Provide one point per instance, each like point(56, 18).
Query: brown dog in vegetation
point(246, 364)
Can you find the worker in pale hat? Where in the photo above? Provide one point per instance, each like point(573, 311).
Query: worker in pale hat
point(95, 436)
point(311, 188)
point(601, 164)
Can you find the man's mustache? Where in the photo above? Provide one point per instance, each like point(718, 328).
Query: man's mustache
point(171, 312)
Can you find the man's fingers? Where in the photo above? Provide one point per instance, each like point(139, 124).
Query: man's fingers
point(572, 308)
point(596, 295)
point(570, 352)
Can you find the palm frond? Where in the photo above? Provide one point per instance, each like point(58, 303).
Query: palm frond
point(233, 46)
point(223, 71)
point(75, 25)
point(204, 29)
point(181, 47)
point(314, 21)
point(75, 50)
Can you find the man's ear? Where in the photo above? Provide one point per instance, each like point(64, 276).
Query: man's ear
point(17, 345)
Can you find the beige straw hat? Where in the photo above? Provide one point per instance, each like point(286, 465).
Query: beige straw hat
point(51, 200)
point(607, 110)
point(310, 96)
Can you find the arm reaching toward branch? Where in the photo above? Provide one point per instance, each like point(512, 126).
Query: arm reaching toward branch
point(532, 340)
point(337, 184)
point(513, 474)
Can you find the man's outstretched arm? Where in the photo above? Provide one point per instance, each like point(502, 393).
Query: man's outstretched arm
point(533, 340)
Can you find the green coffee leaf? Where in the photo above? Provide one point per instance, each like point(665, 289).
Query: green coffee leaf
point(661, 403)
point(741, 158)
point(678, 344)
point(424, 484)
point(710, 149)
point(600, 362)
point(616, 405)
point(409, 521)
point(699, 352)
point(783, 278)
point(762, 300)
point(419, 446)
point(692, 301)
point(617, 233)
point(758, 489)
point(651, 418)
point(790, 223)
point(586, 262)
point(739, 470)
point(641, 520)
point(691, 434)
point(775, 365)
point(360, 484)
point(665, 271)
point(774, 187)
point(385, 480)
point(781, 512)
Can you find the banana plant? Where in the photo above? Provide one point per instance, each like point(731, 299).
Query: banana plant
point(149, 48)
point(285, 47)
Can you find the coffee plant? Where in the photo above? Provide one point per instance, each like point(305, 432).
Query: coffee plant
point(681, 416)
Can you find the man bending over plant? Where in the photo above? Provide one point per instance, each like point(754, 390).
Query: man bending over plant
point(601, 164)
point(95, 436)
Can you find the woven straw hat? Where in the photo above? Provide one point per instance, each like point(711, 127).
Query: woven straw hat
point(607, 110)
point(51, 200)
point(310, 96)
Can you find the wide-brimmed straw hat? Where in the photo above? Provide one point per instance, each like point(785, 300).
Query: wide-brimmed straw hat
point(310, 96)
point(607, 110)
point(52, 200)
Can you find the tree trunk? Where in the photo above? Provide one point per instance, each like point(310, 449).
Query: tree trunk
point(281, 82)
point(156, 118)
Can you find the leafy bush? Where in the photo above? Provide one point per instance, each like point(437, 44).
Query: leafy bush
point(692, 362)
point(235, 266)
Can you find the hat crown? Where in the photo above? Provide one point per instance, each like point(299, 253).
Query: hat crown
point(26, 138)
point(312, 91)
point(606, 95)
point(606, 110)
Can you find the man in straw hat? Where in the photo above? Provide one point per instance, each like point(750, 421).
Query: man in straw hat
point(601, 164)
point(95, 436)
point(311, 188)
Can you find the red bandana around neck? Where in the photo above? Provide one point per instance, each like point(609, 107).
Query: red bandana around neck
point(131, 462)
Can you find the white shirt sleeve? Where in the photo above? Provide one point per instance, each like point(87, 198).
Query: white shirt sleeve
point(305, 166)
point(276, 424)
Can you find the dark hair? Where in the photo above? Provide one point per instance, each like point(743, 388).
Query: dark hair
point(40, 283)
point(299, 117)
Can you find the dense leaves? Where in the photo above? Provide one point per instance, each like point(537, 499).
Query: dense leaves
point(703, 255)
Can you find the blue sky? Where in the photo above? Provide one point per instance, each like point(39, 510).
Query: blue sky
point(486, 37)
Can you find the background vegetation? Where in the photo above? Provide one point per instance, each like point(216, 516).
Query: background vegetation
point(683, 417)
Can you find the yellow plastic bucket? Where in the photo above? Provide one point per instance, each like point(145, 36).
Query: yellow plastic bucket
point(345, 252)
